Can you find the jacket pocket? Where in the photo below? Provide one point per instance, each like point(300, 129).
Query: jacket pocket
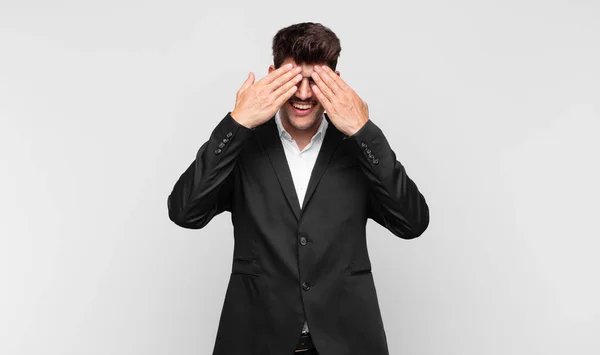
point(245, 266)
point(343, 166)
point(343, 162)
point(362, 271)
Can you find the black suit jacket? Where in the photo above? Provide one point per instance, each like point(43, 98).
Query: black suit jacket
point(292, 263)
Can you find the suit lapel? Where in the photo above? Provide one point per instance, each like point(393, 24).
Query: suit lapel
point(269, 138)
point(332, 139)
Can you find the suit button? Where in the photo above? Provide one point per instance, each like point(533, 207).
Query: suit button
point(368, 151)
point(225, 140)
point(303, 241)
point(363, 144)
point(229, 135)
point(221, 145)
point(218, 151)
point(371, 156)
point(375, 161)
point(305, 286)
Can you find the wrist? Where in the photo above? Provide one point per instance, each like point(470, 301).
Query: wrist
point(357, 128)
point(240, 119)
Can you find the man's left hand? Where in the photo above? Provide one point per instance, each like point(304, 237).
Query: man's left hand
point(347, 111)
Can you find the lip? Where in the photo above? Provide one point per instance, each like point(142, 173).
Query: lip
point(302, 112)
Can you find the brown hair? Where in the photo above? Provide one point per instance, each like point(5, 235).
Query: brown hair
point(306, 43)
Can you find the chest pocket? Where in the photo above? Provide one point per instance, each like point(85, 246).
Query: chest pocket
point(245, 266)
point(343, 164)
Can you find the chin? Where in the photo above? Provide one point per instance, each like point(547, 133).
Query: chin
point(303, 120)
point(303, 123)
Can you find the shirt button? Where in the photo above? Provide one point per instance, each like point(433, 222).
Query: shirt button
point(305, 286)
point(303, 241)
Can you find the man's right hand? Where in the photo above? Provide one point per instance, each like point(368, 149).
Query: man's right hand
point(256, 103)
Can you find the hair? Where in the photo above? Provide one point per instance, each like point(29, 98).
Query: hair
point(306, 42)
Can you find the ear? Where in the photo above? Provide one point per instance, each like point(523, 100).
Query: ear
point(271, 68)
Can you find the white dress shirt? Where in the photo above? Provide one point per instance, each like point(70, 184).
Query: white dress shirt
point(301, 163)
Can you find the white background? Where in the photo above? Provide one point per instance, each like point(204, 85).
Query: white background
point(493, 107)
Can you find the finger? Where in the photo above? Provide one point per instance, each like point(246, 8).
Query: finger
point(249, 81)
point(322, 99)
point(285, 78)
point(336, 78)
point(324, 88)
point(277, 73)
point(285, 87)
point(285, 96)
point(327, 79)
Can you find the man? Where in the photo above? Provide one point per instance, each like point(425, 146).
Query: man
point(300, 185)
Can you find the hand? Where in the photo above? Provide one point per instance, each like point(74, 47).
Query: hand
point(256, 103)
point(347, 111)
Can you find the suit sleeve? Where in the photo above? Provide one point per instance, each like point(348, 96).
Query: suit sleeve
point(394, 201)
point(204, 189)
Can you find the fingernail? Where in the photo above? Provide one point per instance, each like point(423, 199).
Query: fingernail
point(325, 67)
point(289, 66)
point(317, 68)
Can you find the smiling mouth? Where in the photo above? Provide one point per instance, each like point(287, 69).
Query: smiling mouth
point(303, 107)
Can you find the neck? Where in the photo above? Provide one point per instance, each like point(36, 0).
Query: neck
point(301, 136)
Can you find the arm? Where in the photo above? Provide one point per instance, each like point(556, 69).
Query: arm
point(395, 201)
point(204, 189)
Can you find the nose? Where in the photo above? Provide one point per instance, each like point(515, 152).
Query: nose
point(304, 91)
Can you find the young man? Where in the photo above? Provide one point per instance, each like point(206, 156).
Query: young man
point(300, 185)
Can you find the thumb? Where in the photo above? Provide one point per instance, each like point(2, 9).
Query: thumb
point(248, 82)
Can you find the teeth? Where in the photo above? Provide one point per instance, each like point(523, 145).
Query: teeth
point(302, 106)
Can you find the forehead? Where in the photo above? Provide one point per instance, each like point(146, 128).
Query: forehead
point(305, 66)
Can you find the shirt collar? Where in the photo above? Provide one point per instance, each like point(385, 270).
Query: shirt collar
point(283, 133)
